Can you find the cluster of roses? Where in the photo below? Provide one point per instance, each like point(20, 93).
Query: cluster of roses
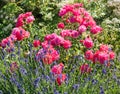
point(56, 40)
point(24, 18)
point(18, 33)
point(103, 55)
point(57, 72)
point(47, 54)
point(76, 14)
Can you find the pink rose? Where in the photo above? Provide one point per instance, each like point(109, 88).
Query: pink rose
point(27, 14)
point(65, 33)
point(84, 68)
point(62, 12)
point(57, 69)
point(96, 56)
point(103, 57)
point(61, 25)
point(36, 43)
point(20, 33)
point(89, 55)
point(74, 34)
point(61, 78)
point(66, 44)
point(20, 21)
point(72, 19)
point(95, 29)
point(82, 28)
point(104, 48)
point(79, 19)
point(88, 43)
point(30, 19)
point(111, 55)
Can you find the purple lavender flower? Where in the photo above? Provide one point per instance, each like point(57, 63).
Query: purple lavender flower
point(22, 90)
point(23, 71)
point(55, 91)
point(67, 79)
point(41, 65)
point(18, 44)
point(13, 55)
point(18, 85)
point(94, 81)
point(104, 71)
point(12, 49)
point(36, 82)
point(52, 78)
point(13, 80)
point(114, 76)
point(76, 86)
point(101, 90)
point(47, 78)
point(1, 92)
point(65, 93)
point(26, 60)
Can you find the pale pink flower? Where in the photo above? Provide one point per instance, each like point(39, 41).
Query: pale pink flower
point(30, 19)
point(82, 28)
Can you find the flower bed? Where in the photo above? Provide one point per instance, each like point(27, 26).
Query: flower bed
point(69, 61)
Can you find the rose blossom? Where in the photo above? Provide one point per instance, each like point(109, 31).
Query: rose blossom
point(82, 28)
point(61, 78)
point(61, 25)
point(30, 19)
point(89, 55)
point(103, 57)
point(57, 69)
point(111, 55)
point(20, 33)
point(65, 33)
point(84, 68)
point(66, 44)
point(95, 29)
point(104, 48)
point(74, 34)
point(36, 43)
point(88, 43)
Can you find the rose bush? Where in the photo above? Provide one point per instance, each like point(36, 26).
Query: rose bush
point(70, 60)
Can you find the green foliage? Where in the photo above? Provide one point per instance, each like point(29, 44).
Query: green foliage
point(114, 5)
point(8, 15)
point(43, 9)
point(111, 33)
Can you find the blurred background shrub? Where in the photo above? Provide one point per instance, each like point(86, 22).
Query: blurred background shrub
point(8, 14)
